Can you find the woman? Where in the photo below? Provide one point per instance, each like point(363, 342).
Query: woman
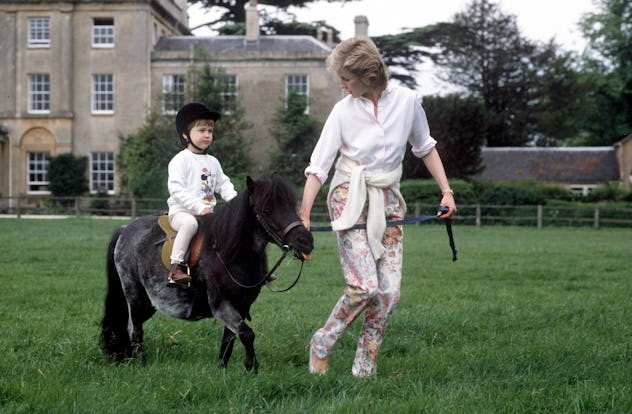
point(369, 128)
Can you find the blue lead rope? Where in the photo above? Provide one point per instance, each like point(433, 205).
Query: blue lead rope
point(411, 220)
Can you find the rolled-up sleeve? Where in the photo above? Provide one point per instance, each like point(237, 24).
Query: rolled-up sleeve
point(326, 148)
point(420, 140)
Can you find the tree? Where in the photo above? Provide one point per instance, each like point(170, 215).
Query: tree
point(402, 53)
point(209, 84)
point(67, 175)
point(608, 66)
point(235, 12)
point(145, 153)
point(457, 123)
point(296, 134)
point(559, 97)
point(518, 81)
point(483, 53)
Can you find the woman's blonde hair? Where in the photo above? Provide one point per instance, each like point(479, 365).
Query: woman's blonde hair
point(360, 57)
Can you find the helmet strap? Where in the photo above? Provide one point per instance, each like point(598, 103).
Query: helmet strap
point(190, 142)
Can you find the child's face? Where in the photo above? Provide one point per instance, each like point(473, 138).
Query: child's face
point(201, 134)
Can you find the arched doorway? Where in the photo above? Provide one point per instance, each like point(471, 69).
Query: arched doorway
point(37, 146)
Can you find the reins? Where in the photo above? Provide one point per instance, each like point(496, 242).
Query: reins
point(280, 241)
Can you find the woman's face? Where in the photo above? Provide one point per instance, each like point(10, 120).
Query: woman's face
point(353, 85)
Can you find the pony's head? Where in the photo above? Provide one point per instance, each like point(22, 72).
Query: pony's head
point(274, 203)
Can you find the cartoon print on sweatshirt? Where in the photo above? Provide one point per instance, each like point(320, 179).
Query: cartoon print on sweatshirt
point(207, 188)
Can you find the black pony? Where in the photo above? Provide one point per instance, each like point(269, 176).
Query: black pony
point(226, 280)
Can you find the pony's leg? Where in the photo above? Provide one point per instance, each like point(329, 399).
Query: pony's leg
point(138, 314)
point(226, 348)
point(136, 335)
point(233, 321)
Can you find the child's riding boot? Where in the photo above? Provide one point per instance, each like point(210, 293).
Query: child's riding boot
point(179, 275)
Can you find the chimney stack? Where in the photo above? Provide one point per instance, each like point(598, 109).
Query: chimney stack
point(252, 22)
point(361, 26)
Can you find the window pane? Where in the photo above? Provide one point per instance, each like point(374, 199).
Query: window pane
point(39, 92)
point(173, 93)
point(103, 33)
point(102, 172)
point(299, 84)
point(38, 31)
point(103, 93)
point(229, 92)
point(37, 172)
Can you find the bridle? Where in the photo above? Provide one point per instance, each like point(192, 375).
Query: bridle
point(279, 240)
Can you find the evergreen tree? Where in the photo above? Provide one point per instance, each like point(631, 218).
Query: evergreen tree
point(296, 134)
point(67, 175)
point(457, 123)
point(209, 84)
point(608, 69)
point(525, 88)
point(145, 154)
point(234, 11)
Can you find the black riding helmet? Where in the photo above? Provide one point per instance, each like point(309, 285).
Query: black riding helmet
point(190, 112)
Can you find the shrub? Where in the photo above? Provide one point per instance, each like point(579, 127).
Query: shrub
point(67, 175)
point(505, 193)
point(427, 192)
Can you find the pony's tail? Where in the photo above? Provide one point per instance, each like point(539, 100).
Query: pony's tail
point(114, 337)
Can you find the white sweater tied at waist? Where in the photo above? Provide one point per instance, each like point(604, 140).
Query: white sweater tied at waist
point(364, 183)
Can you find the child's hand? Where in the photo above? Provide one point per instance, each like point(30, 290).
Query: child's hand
point(205, 212)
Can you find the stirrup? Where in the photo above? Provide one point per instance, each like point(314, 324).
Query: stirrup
point(174, 283)
point(183, 281)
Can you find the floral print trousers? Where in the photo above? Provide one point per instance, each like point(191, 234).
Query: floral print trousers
point(372, 286)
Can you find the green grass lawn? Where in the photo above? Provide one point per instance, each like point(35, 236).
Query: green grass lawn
point(526, 321)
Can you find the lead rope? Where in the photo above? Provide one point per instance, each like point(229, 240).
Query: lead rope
point(418, 219)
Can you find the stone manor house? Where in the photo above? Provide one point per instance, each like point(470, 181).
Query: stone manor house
point(75, 75)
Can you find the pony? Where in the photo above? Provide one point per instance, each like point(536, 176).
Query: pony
point(227, 278)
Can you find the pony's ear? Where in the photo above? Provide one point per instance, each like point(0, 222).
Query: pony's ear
point(250, 184)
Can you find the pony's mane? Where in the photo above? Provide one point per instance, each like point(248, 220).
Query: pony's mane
point(225, 227)
point(277, 189)
point(232, 224)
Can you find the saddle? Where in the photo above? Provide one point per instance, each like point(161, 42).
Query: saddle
point(195, 248)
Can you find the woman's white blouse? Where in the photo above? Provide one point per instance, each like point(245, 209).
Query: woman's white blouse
point(377, 143)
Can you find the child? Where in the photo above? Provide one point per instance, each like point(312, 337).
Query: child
point(194, 178)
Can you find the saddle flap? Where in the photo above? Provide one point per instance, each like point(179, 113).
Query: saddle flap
point(195, 248)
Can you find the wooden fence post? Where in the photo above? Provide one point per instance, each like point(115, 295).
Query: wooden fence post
point(478, 216)
point(596, 217)
point(134, 208)
point(539, 216)
point(417, 209)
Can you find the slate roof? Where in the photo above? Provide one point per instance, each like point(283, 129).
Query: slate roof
point(564, 165)
point(231, 44)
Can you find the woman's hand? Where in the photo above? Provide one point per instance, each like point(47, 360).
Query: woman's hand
point(447, 201)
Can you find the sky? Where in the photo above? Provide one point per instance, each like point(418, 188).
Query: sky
point(538, 20)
